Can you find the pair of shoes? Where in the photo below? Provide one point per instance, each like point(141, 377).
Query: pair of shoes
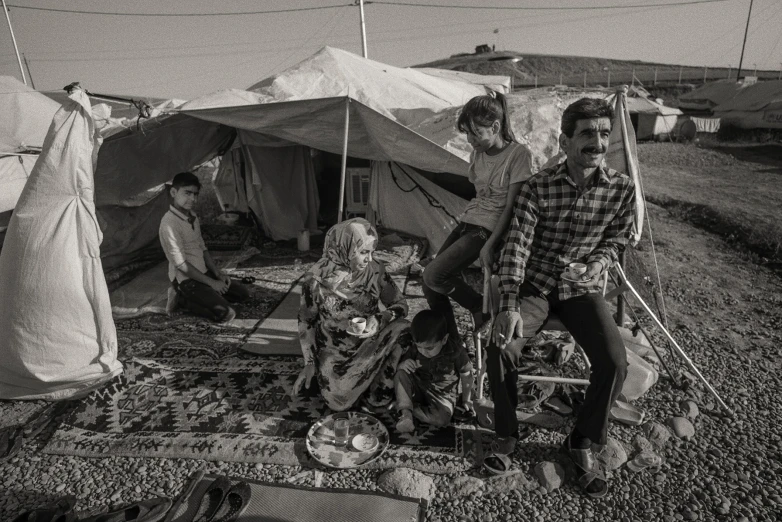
point(61, 510)
point(223, 502)
point(589, 475)
point(152, 510)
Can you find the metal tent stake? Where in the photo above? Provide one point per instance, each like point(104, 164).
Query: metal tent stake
point(626, 285)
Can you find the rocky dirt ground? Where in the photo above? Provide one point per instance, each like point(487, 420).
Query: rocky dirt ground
point(724, 307)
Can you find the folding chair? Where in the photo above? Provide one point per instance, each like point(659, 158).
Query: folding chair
point(491, 305)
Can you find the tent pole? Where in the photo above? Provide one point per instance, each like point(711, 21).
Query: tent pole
point(344, 162)
point(626, 283)
point(13, 39)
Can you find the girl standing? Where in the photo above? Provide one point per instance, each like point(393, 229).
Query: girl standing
point(498, 166)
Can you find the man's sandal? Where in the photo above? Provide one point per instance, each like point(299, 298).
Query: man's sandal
point(497, 463)
point(589, 475)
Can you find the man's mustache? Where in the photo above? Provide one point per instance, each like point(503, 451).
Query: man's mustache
point(594, 150)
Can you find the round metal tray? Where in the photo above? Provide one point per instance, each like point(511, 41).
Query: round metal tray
point(321, 445)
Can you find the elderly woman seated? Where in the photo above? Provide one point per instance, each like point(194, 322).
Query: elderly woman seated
point(348, 284)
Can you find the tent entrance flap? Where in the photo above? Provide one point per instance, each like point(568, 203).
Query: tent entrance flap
point(279, 187)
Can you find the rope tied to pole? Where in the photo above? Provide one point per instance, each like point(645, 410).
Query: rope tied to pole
point(144, 109)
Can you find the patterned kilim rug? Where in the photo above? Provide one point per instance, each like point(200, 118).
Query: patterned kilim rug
point(232, 410)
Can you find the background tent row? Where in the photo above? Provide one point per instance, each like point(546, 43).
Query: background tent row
point(748, 106)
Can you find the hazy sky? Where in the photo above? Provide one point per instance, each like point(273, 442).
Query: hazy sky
point(187, 56)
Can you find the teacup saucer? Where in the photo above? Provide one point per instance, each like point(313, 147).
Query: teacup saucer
point(569, 280)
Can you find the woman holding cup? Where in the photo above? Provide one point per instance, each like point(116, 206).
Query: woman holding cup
point(348, 343)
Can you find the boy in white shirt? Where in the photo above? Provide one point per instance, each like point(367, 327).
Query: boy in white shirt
point(201, 287)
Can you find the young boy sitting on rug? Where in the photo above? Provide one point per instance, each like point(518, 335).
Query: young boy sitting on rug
point(200, 286)
point(426, 379)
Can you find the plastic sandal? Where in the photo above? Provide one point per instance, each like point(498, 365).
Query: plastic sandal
point(235, 503)
point(587, 468)
point(213, 497)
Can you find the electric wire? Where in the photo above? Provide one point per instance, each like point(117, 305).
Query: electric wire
point(547, 8)
point(242, 13)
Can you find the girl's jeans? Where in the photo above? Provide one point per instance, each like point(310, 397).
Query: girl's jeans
point(443, 276)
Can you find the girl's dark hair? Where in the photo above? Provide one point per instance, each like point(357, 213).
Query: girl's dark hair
point(428, 326)
point(482, 111)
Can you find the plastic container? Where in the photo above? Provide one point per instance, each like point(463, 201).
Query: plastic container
point(304, 240)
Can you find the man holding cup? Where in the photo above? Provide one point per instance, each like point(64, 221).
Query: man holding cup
point(569, 224)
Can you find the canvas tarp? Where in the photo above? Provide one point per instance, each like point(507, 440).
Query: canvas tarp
point(26, 116)
point(756, 106)
point(58, 334)
point(402, 94)
point(398, 201)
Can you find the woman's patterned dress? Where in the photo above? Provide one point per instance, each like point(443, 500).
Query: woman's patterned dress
point(348, 366)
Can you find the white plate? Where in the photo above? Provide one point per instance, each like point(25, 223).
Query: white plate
point(566, 278)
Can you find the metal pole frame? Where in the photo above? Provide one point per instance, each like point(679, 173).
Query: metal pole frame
point(625, 285)
point(13, 39)
point(343, 170)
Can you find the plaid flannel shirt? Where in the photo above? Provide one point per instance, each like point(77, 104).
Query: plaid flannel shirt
point(554, 224)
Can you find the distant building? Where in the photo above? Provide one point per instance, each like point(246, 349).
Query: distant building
point(483, 48)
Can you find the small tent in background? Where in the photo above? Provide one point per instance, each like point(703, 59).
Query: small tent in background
point(652, 120)
point(756, 106)
point(704, 99)
point(25, 118)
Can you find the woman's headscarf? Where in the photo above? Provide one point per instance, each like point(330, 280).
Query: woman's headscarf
point(343, 242)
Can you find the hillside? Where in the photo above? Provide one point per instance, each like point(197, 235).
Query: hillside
point(527, 70)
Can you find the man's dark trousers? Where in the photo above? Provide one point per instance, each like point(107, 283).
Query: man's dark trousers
point(589, 320)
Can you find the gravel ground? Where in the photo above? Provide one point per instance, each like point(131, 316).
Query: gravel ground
point(724, 311)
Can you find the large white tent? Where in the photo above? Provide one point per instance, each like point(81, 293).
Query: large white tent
point(332, 103)
point(59, 339)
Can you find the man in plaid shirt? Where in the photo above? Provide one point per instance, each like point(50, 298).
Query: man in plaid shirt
point(577, 211)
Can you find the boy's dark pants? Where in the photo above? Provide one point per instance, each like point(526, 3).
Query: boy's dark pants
point(589, 320)
point(203, 300)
